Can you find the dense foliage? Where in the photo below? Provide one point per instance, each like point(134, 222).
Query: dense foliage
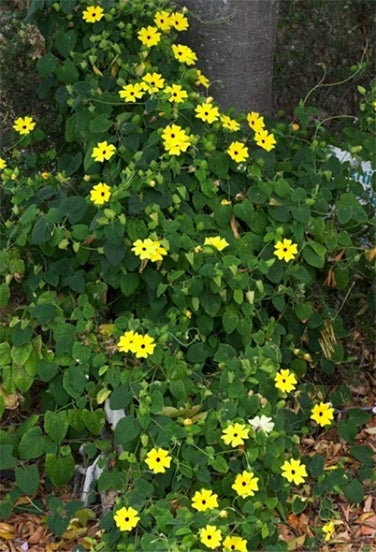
point(180, 266)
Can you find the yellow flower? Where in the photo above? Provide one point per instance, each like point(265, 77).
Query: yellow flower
point(184, 54)
point(163, 20)
point(176, 93)
point(323, 414)
point(217, 242)
point(238, 151)
point(328, 530)
point(103, 151)
point(126, 519)
point(179, 21)
point(204, 500)
point(127, 341)
point(187, 421)
point(100, 193)
point(295, 126)
point(92, 14)
point(285, 250)
point(143, 345)
point(225, 202)
point(45, 175)
point(285, 381)
point(149, 36)
point(201, 79)
point(175, 140)
point(24, 125)
point(207, 113)
point(148, 249)
point(245, 484)
point(374, 104)
point(235, 434)
point(152, 82)
point(235, 543)
point(210, 536)
point(158, 460)
point(265, 140)
point(3, 164)
point(255, 121)
point(132, 92)
point(229, 124)
point(294, 471)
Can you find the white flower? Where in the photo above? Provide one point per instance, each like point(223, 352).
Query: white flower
point(262, 423)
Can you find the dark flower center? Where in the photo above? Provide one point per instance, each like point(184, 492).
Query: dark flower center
point(293, 472)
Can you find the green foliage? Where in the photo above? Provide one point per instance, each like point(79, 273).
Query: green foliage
point(213, 312)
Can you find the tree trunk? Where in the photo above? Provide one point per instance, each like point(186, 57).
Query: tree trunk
point(234, 41)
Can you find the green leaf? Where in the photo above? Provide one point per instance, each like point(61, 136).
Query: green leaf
point(21, 354)
point(230, 321)
point(20, 335)
point(7, 460)
point(177, 389)
point(31, 444)
point(301, 213)
point(67, 72)
point(197, 352)
point(56, 425)
point(43, 313)
point(127, 433)
point(69, 164)
point(312, 258)
point(354, 491)
point(27, 479)
point(347, 431)
point(219, 464)
point(120, 397)
point(219, 163)
point(4, 294)
point(303, 311)
point(94, 420)
point(363, 453)
point(245, 211)
point(74, 381)
point(46, 64)
point(65, 42)
point(100, 124)
point(4, 354)
point(59, 469)
point(42, 231)
point(47, 370)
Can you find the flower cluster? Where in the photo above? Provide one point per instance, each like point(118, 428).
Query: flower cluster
point(140, 345)
point(149, 250)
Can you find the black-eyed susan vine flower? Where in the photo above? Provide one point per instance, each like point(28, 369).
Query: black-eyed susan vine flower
point(103, 151)
point(211, 536)
point(132, 92)
point(201, 79)
point(92, 14)
point(100, 193)
point(328, 529)
point(245, 484)
point(238, 151)
point(152, 82)
point(323, 414)
point(158, 460)
point(236, 543)
point(285, 381)
point(3, 164)
point(262, 423)
point(24, 125)
point(207, 112)
point(162, 19)
point(184, 54)
point(285, 250)
point(294, 471)
point(175, 140)
point(255, 121)
point(149, 36)
point(126, 519)
point(179, 21)
point(265, 140)
point(176, 93)
point(229, 124)
point(217, 242)
point(234, 434)
point(204, 500)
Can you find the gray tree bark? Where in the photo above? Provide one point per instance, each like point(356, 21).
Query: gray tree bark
point(234, 41)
